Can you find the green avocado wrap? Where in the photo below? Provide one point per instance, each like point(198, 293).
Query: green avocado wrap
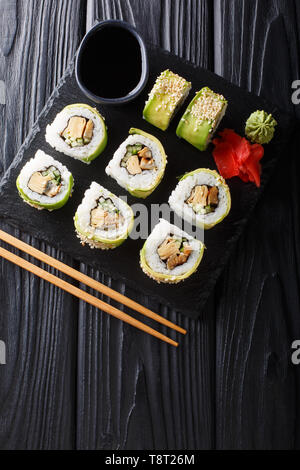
point(201, 118)
point(167, 95)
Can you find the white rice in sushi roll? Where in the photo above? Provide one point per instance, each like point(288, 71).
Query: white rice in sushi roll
point(103, 220)
point(202, 215)
point(140, 184)
point(158, 265)
point(85, 150)
point(38, 166)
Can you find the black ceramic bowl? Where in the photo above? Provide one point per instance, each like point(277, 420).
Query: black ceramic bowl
point(112, 63)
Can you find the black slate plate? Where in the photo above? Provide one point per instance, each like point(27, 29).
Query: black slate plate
point(123, 263)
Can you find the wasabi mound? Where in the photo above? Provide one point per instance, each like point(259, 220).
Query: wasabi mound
point(260, 127)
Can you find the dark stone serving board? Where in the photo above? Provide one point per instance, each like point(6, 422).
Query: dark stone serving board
point(57, 227)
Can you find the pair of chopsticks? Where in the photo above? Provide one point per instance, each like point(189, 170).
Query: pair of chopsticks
point(84, 279)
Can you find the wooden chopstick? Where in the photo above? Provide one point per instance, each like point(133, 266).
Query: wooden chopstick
point(83, 295)
point(83, 278)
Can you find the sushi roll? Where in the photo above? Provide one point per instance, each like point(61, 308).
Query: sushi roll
point(45, 183)
point(201, 118)
point(103, 220)
point(202, 198)
point(78, 131)
point(169, 254)
point(167, 95)
point(138, 165)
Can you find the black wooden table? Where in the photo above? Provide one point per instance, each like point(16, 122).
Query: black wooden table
point(76, 378)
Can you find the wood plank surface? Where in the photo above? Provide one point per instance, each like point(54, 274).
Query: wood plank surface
point(257, 312)
point(77, 378)
point(38, 322)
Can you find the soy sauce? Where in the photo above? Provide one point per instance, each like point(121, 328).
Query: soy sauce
point(111, 65)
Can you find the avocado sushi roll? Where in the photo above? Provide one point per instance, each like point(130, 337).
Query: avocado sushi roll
point(167, 95)
point(201, 118)
point(202, 198)
point(45, 183)
point(138, 165)
point(169, 254)
point(78, 131)
point(103, 220)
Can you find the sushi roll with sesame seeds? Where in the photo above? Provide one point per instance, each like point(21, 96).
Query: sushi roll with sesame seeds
point(169, 254)
point(44, 183)
point(202, 198)
point(78, 131)
point(103, 220)
point(201, 118)
point(167, 95)
point(138, 165)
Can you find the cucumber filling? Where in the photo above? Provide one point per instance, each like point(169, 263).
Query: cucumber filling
point(105, 215)
point(47, 182)
point(174, 251)
point(79, 131)
point(138, 158)
point(203, 199)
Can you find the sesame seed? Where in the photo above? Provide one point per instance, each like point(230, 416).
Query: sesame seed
point(170, 88)
point(207, 107)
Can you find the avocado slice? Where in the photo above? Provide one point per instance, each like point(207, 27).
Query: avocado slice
point(201, 118)
point(167, 95)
